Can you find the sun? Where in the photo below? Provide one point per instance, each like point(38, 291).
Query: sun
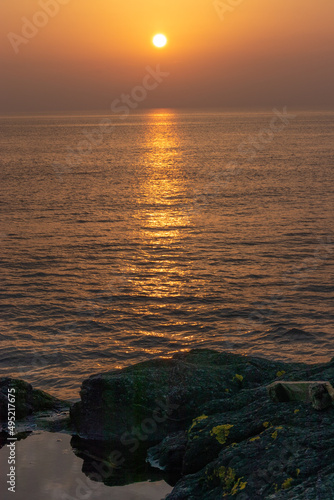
point(159, 41)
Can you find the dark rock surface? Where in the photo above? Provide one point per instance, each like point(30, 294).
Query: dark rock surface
point(149, 400)
point(246, 446)
point(34, 409)
point(219, 430)
point(168, 455)
point(206, 420)
point(27, 399)
point(268, 448)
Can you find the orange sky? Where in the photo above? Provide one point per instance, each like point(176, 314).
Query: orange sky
point(262, 53)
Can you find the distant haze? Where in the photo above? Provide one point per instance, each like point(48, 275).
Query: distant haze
point(84, 54)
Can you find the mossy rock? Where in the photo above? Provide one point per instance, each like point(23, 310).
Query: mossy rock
point(27, 400)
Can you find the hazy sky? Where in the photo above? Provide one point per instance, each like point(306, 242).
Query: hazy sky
point(230, 53)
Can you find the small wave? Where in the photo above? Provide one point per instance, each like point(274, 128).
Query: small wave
point(292, 335)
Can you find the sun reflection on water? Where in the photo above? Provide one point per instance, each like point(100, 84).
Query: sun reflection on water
point(161, 222)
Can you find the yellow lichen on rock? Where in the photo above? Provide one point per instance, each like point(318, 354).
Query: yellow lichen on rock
point(254, 438)
point(221, 432)
point(231, 484)
point(274, 434)
point(196, 421)
point(287, 483)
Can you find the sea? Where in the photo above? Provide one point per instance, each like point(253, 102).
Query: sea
point(124, 238)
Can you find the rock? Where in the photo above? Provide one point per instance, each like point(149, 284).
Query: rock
point(169, 454)
point(321, 488)
point(150, 400)
point(34, 409)
point(28, 401)
point(208, 435)
point(319, 393)
point(245, 446)
point(205, 417)
point(277, 459)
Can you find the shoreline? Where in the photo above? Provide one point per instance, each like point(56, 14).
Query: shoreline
point(202, 417)
point(71, 393)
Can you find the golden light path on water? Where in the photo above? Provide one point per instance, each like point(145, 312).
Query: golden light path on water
point(162, 227)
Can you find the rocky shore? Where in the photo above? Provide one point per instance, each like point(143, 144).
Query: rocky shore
point(204, 418)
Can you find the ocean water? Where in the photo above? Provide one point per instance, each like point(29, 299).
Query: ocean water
point(167, 232)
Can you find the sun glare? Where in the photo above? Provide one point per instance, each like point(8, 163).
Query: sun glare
point(159, 41)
